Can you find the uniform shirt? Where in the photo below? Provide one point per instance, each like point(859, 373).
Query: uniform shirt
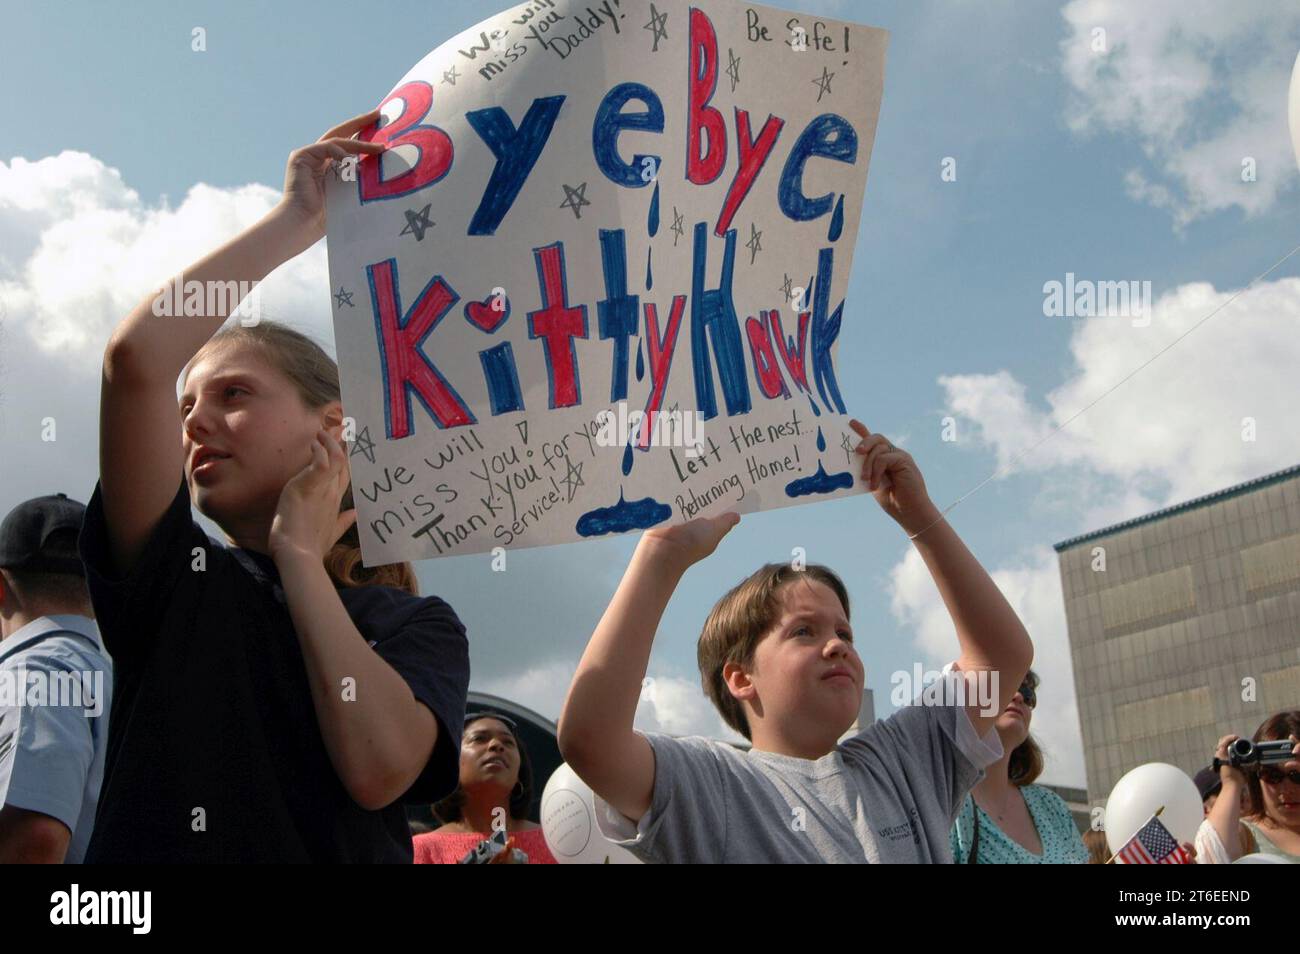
point(886, 795)
point(215, 752)
point(56, 686)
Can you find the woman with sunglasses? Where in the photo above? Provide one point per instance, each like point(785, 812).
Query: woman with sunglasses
point(1272, 824)
point(496, 788)
point(1006, 819)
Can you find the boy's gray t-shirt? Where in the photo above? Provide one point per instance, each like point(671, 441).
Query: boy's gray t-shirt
point(887, 795)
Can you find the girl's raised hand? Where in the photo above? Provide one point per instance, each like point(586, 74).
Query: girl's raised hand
point(304, 177)
point(893, 478)
point(694, 540)
point(307, 519)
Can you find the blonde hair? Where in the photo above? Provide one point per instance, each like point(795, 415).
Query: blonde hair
point(315, 375)
point(737, 623)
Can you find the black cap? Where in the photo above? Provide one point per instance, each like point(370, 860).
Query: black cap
point(27, 529)
point(1208, 782)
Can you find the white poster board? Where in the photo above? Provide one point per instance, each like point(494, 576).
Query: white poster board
point(597, 280)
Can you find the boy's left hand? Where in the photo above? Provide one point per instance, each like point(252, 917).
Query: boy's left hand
point(307, 518)
point(894, 480)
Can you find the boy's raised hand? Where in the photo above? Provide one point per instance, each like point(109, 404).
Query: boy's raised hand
point(694, 540)
point(304, 177)
point(894, 480)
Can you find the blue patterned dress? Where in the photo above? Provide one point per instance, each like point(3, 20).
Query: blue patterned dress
point(1062, 843)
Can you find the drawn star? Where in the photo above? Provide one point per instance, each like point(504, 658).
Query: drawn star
point(342, 298)
point(678, 227)
point(573, 479)
point(671, 418)
point(823, 83)
point(787, 288)
point(658, 23)
point(733, 68)
point(450, 76)
point(847, 444)
point(755, 244)
point(417, 223)
point(575, 199)
point(363, 445)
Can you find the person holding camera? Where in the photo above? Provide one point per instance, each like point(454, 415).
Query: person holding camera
point(1271, 826)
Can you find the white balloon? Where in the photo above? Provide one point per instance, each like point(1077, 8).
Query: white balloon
point(1293, 112)
point(1137, 795)
point(569, 824)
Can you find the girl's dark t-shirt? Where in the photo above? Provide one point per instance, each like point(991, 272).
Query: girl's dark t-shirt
point(214, 750)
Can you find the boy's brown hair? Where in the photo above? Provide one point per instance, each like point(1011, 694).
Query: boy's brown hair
point(740, 619)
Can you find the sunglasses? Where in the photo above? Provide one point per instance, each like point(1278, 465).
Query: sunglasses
point(1274, 775)
point(1028, 694)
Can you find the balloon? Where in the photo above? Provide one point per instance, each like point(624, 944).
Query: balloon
point(569, 824)
point(1294, 109)
point(1259, 859)
point(1137, 795)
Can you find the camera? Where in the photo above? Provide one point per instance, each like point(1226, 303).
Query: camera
point(489, 848)
point(1244, 752)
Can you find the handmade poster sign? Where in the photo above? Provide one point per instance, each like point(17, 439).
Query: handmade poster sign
point(596, 282)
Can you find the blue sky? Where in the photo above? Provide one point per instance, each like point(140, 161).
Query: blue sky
point(1122, 166)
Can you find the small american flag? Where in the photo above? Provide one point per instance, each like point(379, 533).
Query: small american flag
point(1153, 845)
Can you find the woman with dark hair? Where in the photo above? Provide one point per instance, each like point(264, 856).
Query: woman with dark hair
point(1007, 819)
point(1271, 826)
point(496, 788)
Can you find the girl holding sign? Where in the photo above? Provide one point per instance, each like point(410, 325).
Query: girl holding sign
point(276, 701)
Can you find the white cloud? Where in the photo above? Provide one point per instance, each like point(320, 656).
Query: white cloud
point(1033, 588)
point(1172, 432)
point(79, 249)
point(669, 703)
point(541, 688)
point(678, 706)
point(1200, 84)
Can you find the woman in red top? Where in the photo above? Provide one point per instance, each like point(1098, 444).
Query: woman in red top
point(496, 788)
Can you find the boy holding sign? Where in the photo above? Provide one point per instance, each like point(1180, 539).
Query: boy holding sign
point(777, 658)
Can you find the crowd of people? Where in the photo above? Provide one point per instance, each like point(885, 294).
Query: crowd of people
point(269, 698)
